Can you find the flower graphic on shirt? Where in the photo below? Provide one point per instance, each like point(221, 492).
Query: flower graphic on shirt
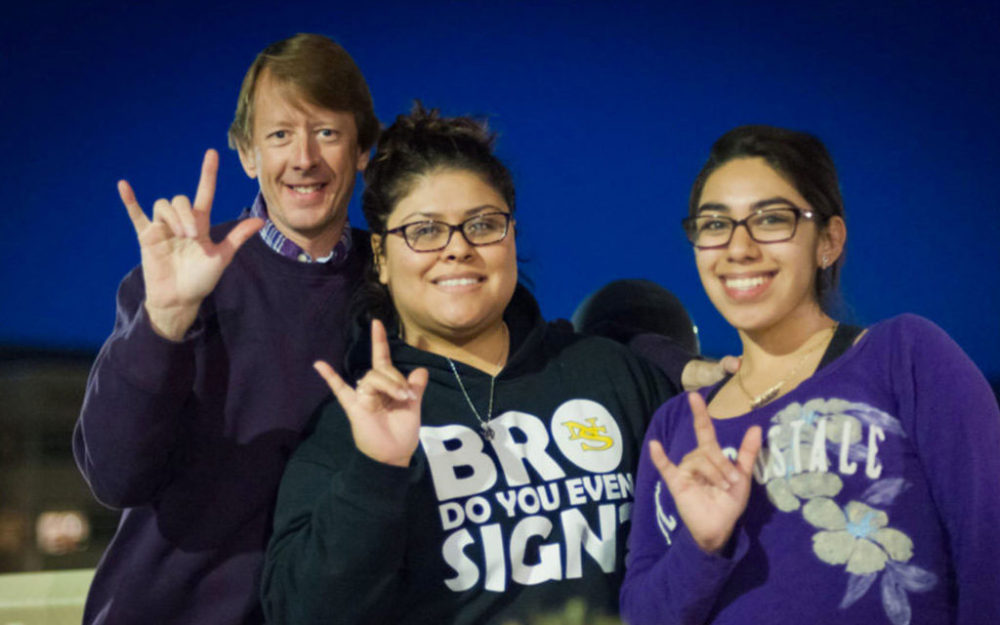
point(800, 442)
point(795, 482)
point(855, 535)
point(858, 537)
point(797, 470)
point(805, 419)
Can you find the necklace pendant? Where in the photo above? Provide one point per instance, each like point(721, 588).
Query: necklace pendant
point(766, 396)
point(487, 431)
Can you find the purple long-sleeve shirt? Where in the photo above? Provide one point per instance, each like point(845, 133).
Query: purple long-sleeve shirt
point(191, 438)
point(875, 499)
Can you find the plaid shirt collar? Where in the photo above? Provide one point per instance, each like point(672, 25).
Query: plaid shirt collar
point(288, 248)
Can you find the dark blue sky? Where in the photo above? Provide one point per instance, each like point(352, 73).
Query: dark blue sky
point(606, 112)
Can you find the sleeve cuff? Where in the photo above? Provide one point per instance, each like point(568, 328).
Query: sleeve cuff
point(713, 565)
point(670, 356)
point(378, 488)
point(152, 363)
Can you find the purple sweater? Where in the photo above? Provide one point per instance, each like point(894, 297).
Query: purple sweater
point(191, 438)
point(875, 499)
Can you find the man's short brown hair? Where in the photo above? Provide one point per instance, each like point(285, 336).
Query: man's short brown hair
point(321, 71)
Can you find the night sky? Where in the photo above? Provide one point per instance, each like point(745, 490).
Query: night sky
point(605, 113)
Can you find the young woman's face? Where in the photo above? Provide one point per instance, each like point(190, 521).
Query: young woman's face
point(462, 290)
point(757, 286)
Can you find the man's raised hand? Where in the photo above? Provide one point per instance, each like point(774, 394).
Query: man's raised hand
point(181, 264)
point(710, 491)
point(384, 407)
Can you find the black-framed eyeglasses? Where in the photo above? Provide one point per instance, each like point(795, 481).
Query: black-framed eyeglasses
point(768, 225)
point(433, 236)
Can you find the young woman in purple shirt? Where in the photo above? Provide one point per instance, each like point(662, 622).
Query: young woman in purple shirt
point(843, 475)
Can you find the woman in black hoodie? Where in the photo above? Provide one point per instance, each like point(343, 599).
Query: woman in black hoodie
point(481, 471)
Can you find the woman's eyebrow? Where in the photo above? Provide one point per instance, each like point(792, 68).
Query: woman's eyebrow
point(770, 202)
point(483, 208)
point(714, 207)
point(429, 215)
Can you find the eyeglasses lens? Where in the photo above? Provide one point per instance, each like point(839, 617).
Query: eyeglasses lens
point(768, 226)
point(483, 229)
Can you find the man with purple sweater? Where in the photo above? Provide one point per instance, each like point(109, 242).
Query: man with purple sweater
point(200, 393)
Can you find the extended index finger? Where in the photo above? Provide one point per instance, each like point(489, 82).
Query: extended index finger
point(206, 182)
point(381, 357)
point(704, 431)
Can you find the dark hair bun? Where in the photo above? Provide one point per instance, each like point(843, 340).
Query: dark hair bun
point(426, 135)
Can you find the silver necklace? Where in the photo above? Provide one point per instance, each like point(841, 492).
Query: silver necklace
point(484, 424)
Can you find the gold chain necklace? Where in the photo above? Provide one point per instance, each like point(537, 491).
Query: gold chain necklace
point(484, 424)
point(756, 401)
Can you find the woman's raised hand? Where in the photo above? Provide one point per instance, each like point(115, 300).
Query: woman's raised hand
point(710, 491)
point(180, 263)
point(384, 407)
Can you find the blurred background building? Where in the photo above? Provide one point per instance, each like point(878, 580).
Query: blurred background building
point(48, 518)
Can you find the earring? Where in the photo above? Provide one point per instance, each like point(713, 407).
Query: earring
point(826, 262)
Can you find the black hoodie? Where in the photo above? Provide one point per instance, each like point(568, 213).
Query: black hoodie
point(473, 531)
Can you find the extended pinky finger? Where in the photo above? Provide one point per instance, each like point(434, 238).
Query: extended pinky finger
point(135, 213)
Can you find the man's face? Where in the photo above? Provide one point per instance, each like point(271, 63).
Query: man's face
point(306, 159)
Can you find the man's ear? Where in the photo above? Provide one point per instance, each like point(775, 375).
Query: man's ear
point(249, 161)
point(363, 157)
point(378, 258)
point(832, 240)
